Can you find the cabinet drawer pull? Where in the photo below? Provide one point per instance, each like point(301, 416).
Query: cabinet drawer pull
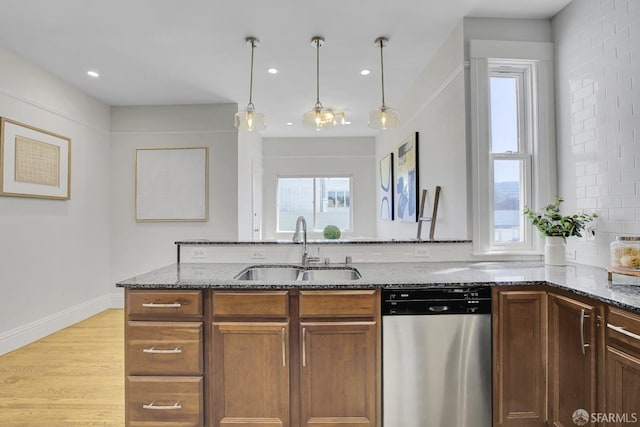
point(283, 338)
point(153, 405)
point(623, 331)
point(152, 350)
point(583, 346)
point(156, 305)
point(304, 347)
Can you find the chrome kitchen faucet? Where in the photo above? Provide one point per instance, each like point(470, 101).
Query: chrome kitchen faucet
point(306, 258)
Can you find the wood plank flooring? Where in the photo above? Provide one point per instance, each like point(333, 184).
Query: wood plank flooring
point(74, 377)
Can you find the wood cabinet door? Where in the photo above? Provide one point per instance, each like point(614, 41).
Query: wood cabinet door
point(338, 374)
point(250, 374)
point(519, 358)
point(572, 359)
point(623, 386)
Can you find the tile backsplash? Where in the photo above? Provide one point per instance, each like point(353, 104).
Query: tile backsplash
point(598, 106)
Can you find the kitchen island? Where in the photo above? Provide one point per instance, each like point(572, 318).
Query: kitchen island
point(206, 349)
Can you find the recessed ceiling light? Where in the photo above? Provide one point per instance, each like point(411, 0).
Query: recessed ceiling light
point(92, 73)
point(289, 123)
point(347, 123)
point(365, 72)
point(272, 70)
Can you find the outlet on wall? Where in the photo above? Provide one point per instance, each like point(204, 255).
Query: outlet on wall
point(420, 252)
point(257, 253)
point(198, 253)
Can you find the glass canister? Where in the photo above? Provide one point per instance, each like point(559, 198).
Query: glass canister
point(625, 253)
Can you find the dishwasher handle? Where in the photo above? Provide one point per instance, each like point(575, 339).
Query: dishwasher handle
point(438, 308)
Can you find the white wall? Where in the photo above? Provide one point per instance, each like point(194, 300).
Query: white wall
point(54, 256)
point(318, 157)
point(139, 247)
point(598, 118)
point(434, 107)
point(249, 184)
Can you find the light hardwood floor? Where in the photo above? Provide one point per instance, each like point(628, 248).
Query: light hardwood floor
point(74, 377)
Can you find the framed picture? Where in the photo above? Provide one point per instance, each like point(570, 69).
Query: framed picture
point(406, 181)
point(172, 184)
point(34, 162)
point(386, 187)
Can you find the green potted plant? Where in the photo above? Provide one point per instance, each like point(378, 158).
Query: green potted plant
point(556, 227)
point(331, 232)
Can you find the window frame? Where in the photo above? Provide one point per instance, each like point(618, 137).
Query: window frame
point(311, 224)
point(536, 134)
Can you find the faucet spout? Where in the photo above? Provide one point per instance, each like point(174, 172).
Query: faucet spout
point(301, 227)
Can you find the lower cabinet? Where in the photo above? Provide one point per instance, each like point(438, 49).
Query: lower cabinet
point(573, 351)
point(326, 373)
point(623, 367)
point(519, 357)
point(250, 359)
point(164, 363)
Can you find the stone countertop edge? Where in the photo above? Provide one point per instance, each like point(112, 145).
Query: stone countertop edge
point(347, 241)
point(579, 279)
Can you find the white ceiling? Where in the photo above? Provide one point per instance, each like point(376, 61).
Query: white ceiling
point(193, 51)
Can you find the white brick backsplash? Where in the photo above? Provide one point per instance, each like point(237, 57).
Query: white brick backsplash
point(622, 214)
point(631, 201)
point(622, 189)
point(597, 45)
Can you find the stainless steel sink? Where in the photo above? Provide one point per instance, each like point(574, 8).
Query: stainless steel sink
point(270, 273)
point(281, 273)
point(330, 274)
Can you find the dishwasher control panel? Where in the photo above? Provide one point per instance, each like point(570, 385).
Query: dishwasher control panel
point(426, 301)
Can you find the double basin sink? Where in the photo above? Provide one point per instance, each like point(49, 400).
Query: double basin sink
point(279, 273)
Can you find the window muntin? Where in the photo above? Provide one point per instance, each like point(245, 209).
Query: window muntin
point(321, 200)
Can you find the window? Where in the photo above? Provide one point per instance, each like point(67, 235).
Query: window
point(509, 98)
point(321, 200)
point(513, 141)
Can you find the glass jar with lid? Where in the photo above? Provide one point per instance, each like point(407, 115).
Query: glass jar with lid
point(624, 253)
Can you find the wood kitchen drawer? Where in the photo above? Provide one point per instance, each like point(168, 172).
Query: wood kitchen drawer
point(356, 303)
point(164, 348)
point(158, 304)
point(251, 304)
point(624, 327)
point(164, 401)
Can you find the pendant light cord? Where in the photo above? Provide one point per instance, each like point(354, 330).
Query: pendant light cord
point(382, 69)
point(317, 73)
point(253, 45)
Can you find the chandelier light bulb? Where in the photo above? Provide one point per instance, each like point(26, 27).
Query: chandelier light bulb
point(384, 117)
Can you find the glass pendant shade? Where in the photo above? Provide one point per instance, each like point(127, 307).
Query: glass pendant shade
point(319, 118)
point(383, 118)
point(250, 119)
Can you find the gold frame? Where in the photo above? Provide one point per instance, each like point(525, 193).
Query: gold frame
point(64, 142)
point(206, 185)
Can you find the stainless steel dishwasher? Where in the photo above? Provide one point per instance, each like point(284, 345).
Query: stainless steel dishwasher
point(436, 357)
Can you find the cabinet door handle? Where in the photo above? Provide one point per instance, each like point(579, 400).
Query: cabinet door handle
point(583, 346)
point(156, 305)
point(304, 347)
point(152, 350)
point(283, 338)
point(623, 331)
point(153, 405)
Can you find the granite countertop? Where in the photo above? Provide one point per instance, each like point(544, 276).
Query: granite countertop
point(582, 280)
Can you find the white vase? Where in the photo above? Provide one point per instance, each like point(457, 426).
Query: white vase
point(554, 251)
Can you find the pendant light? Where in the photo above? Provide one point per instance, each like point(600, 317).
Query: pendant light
point(249, 119)
point(319, 117)
point(383, 117)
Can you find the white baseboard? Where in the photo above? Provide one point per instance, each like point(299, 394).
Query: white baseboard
point(117, 300)
point(26, 334)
